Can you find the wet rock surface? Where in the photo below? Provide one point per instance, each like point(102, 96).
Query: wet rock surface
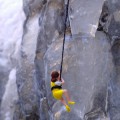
point(86, 75)
point(91, 60)
point(110, 19)
point(84, 16)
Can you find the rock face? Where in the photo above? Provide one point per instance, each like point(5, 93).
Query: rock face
point(86, 73)
point(32, 49)
point(87, 14)
point(109, 23)
point(110, 18)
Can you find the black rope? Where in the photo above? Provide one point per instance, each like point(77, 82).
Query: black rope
point(67, 6)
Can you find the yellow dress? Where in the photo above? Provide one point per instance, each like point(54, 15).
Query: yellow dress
point(57, 93)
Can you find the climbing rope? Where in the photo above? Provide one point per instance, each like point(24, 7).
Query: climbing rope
point(67, 6)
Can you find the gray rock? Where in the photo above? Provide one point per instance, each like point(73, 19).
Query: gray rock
point(114, 103)
point(28, 105)
point(110, 19)
point(91, 67)
point(86, 73)
point(84, 16)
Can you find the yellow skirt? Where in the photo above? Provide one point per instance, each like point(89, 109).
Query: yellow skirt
point(57, 93)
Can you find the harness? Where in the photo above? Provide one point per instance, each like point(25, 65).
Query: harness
point(56, 87)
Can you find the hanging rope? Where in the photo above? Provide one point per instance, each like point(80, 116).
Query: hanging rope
point(67, 6)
